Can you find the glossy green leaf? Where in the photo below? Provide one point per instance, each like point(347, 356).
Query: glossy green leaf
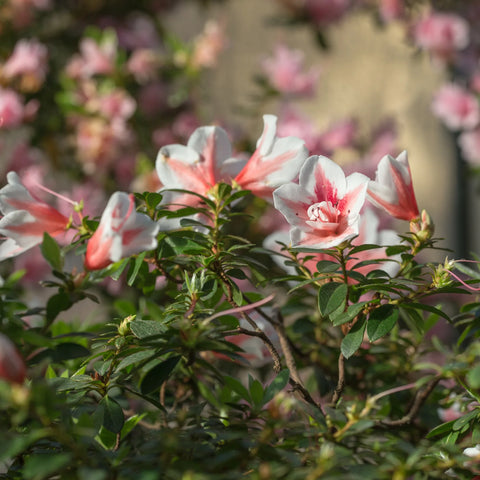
point(237, 387)
point(352, 341)
point(276, 385)
point(56, 304)
point(111, 414)
point(155, 377)
point(331, 296)
point(52, 252)
point(381, 321)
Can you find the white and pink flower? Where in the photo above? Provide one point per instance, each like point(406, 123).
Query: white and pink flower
point(392, 189)
point(207, 160)
point(25, 219)
point(456, 107)
point(122, 232)
point(323, 209)
point(275, 161)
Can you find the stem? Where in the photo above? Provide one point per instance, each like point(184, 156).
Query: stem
point(295, 379)
point(341, 380)
point(418, 401)
point(277, 364)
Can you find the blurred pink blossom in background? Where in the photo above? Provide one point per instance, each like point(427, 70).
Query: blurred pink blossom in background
point(12, 109)
point(209, 44)
point(94, 59)
point(442, 34)
point(390, 10)
point(285, 72)
point(469, 142)
point(143, 64)
point(28, 62)
point(456, 107)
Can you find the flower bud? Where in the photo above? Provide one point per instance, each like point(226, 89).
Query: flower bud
point(423, 227)
point(124, 327)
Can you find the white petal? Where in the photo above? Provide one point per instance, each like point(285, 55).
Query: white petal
point(267, 138)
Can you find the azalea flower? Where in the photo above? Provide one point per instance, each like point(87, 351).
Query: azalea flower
point(275, 161)
point(368, 233)
point(122, 232)
point(25, 219)
point(12, 366)
point(207, 160)
point(392, 189)
point(323, 209)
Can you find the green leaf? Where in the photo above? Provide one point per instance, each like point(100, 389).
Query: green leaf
point(146, 328)
point(256, 391)
point(349, 315)
point(131, 423)
point(327, 266)
point(352, 341)
point(237, 387)
point(152, 199)
point(331, 296)
point(135, 357)
point(381, 321)
point(441, 429)
point(155, 377)
point(111, 414)
point(428, 308)
point(462, 421)
point(136, 268)
point(56, 304)
point(43, 465)
point(276, 385)
point(51, 252)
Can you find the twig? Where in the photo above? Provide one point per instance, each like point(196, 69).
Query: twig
point(277, 364)
point(419, 399)
point(341, 380)
point(295, 380)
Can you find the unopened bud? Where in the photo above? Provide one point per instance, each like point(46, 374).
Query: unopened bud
point(423, 227)
point(124, 327)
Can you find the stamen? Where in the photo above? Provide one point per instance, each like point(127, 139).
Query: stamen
point(55, 194)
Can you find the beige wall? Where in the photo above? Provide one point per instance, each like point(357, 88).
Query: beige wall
point(370, 73)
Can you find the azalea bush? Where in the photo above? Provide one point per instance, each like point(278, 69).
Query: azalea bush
point(312, 351)
point(196, 302)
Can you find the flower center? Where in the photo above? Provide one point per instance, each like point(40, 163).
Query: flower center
point(324, 212)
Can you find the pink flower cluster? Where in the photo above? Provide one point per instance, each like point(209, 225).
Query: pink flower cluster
point(323, 207)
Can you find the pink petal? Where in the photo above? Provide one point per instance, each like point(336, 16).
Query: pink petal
point(323, 179)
